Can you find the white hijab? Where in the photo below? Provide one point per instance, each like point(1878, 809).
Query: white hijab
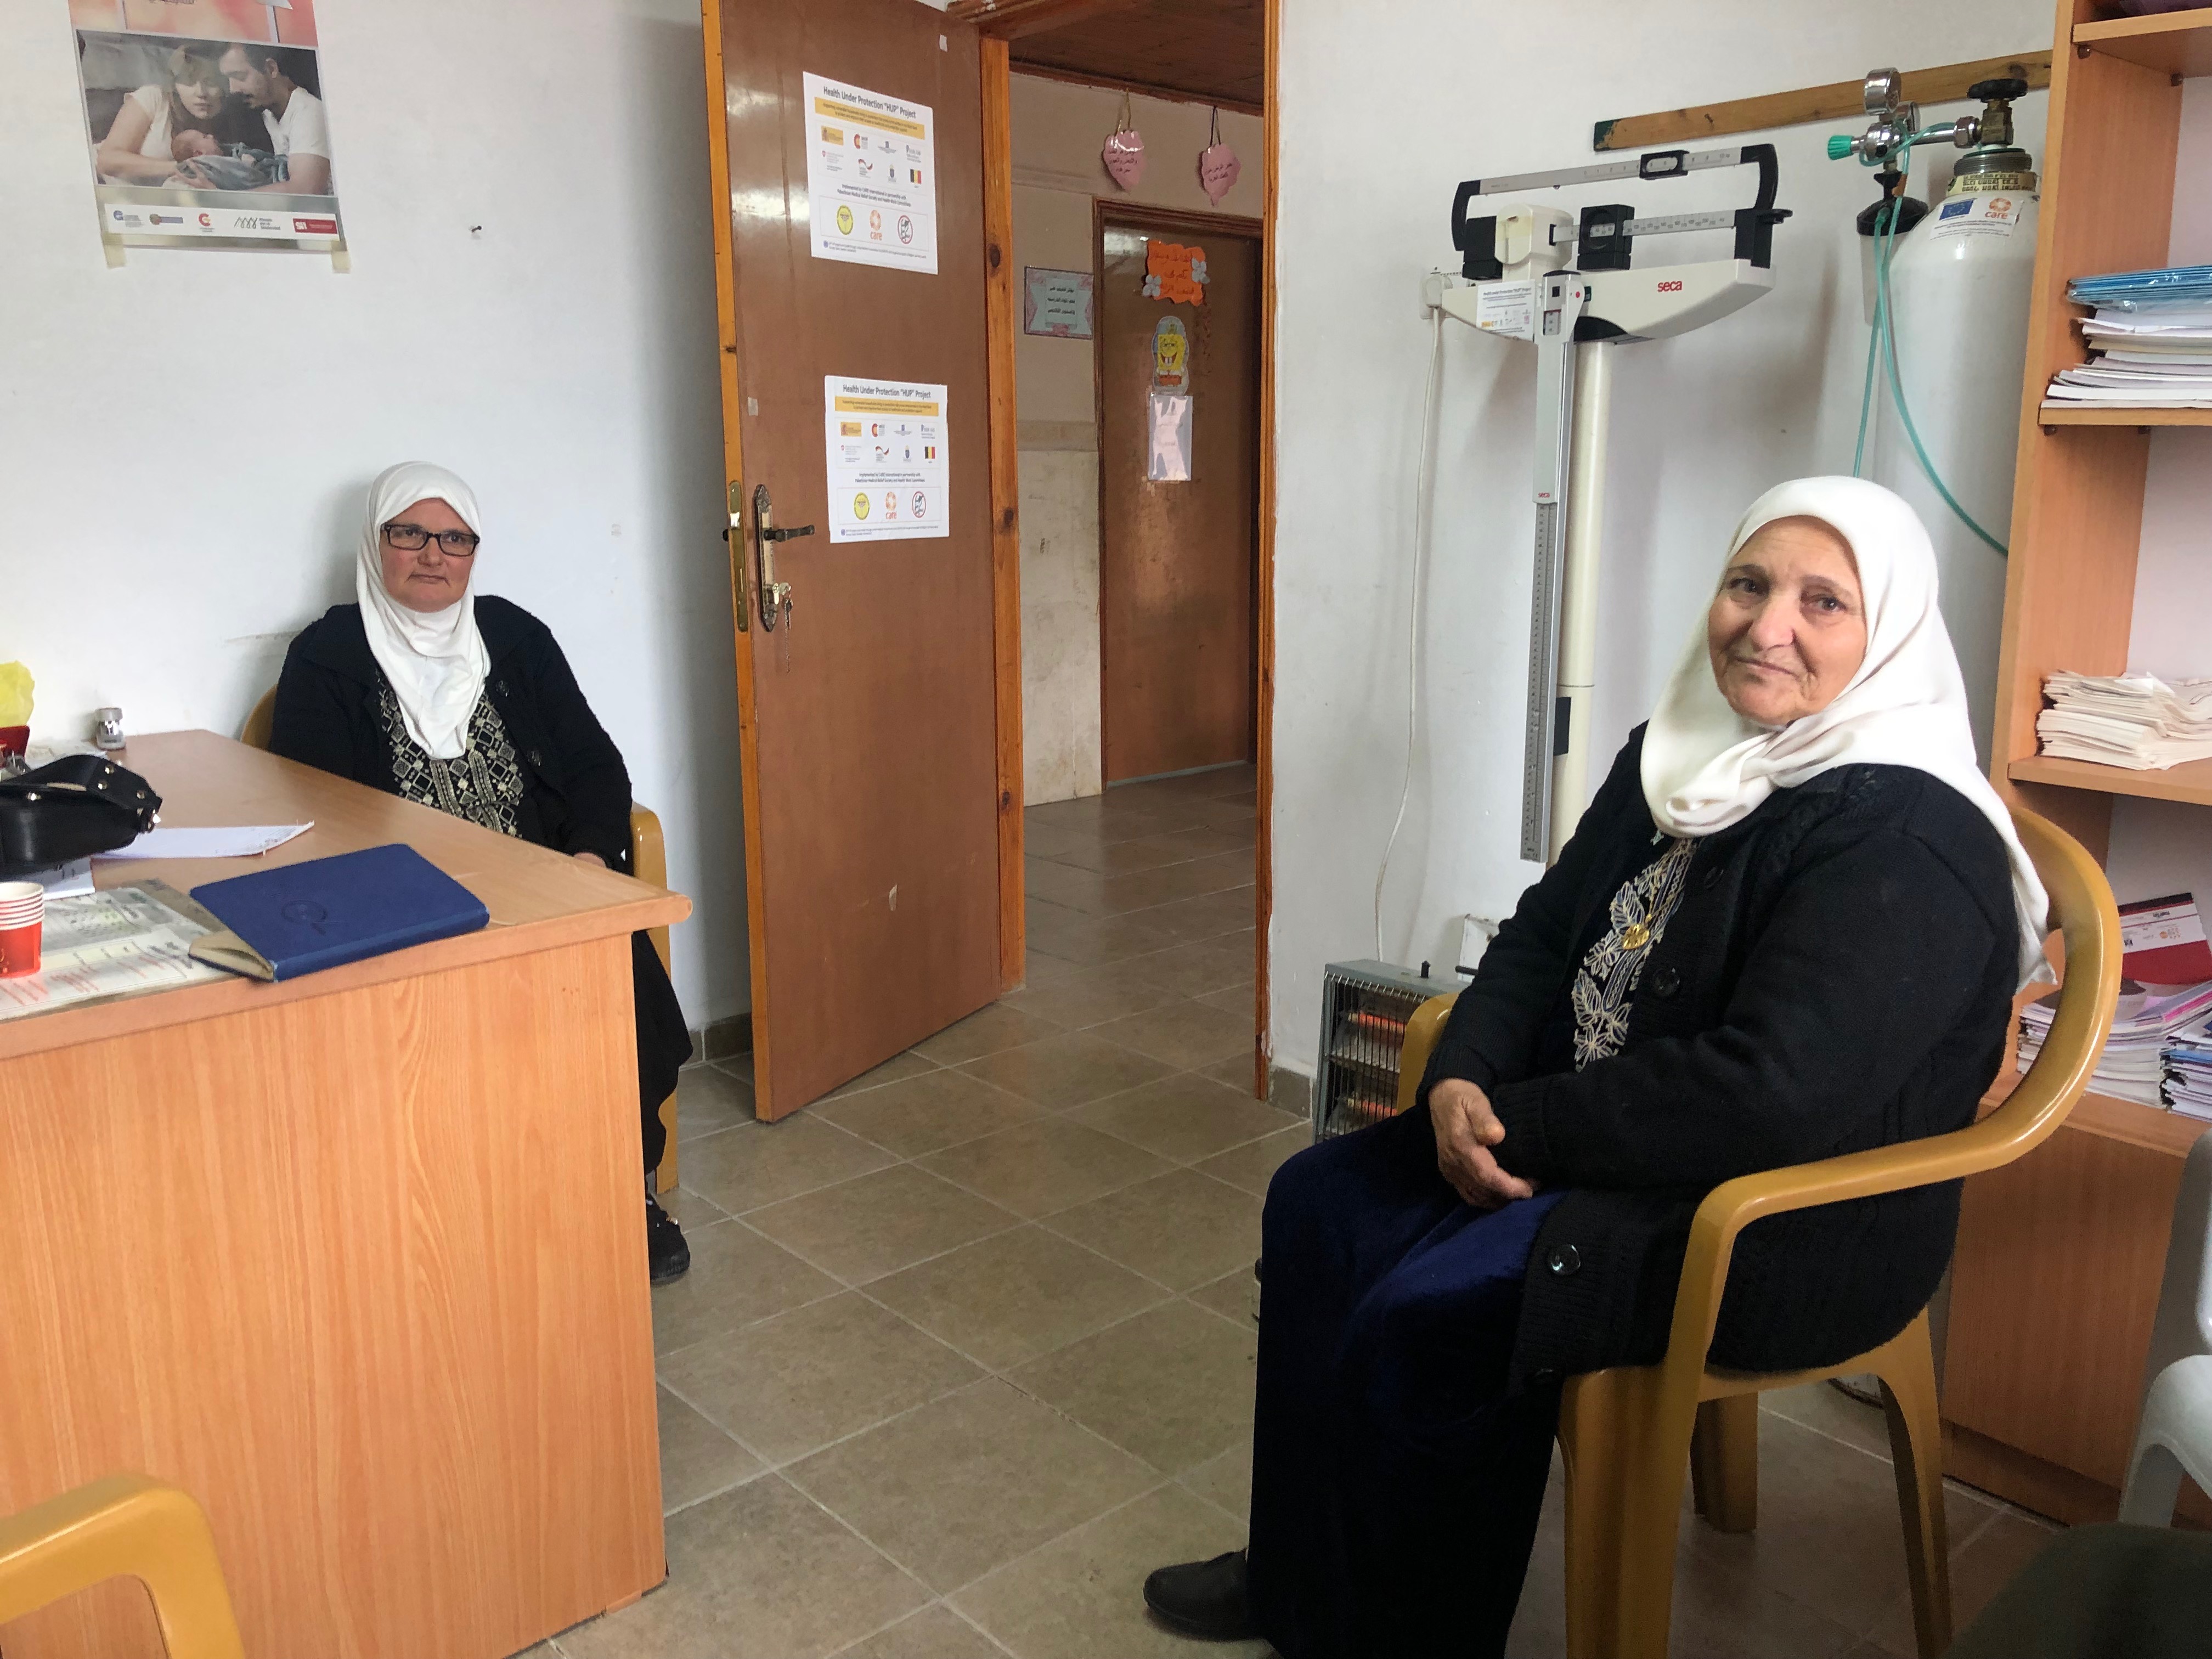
point(1705, 767)
point(435, 661)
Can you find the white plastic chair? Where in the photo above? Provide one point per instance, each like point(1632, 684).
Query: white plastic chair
point(2173, 1434)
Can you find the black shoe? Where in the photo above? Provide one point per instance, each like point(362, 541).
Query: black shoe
point(1205, 1599)
point(665, 1248)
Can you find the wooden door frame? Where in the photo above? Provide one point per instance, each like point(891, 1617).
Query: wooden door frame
point(998, 21)
point(999, 326)
point(1135, 215)
point(1263, 644)
point(734, 472)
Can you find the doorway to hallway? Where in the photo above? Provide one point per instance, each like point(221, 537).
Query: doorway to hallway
point(1178, 393)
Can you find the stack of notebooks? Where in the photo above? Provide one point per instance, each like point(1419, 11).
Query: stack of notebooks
point(2163, 1025)
point(2135, 720)
point(2150, 342)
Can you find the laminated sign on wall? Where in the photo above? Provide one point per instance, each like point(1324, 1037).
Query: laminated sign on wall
point(870, 177)
point(887, 471)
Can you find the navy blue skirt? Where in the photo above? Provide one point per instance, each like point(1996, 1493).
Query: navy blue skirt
point(1396, 1481)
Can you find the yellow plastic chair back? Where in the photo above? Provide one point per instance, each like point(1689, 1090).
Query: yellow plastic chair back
point(123, 1526)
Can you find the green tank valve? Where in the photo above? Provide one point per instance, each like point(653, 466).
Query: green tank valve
point(1839, 146)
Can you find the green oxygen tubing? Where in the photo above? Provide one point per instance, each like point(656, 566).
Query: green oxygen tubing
point(1881, 343)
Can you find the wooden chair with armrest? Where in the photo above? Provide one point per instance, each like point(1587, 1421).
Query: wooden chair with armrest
point(648, 862)
point(123, 1526)
point(1625, 1434)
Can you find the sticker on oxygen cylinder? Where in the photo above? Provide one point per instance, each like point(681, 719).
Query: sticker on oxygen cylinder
point(1977, 216)
point(1505, 308)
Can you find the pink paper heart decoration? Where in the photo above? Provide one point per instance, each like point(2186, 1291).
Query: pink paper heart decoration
point(1125, 157)
point(1217, 167)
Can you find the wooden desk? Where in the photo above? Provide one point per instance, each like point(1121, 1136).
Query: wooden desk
point(358, 1260)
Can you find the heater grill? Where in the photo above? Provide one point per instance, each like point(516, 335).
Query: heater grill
point(1364, 1007)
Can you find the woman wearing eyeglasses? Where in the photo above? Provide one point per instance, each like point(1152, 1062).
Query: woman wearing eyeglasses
point(462, 701)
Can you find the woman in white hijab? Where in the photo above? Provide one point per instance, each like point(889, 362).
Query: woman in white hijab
point(425, 689)
point(1789, 925)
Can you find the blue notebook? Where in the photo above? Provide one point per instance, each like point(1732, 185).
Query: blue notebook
point(299, 918)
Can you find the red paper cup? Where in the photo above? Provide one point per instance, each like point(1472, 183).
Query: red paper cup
point(23, 927)
point(18, 950)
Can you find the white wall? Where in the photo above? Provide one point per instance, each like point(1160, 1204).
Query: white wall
point(1383, 109)
point(1057, 429)
point(1058, 128)
point(184, 442)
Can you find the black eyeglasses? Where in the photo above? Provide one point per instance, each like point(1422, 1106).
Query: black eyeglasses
point(413, 539)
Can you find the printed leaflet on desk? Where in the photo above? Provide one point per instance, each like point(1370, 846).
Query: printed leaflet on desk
point(119, 943)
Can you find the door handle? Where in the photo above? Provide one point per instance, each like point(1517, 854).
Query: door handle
point(730, 535)
point(774, 596)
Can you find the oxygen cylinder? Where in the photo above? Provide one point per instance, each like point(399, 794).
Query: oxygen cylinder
point(1958, 297)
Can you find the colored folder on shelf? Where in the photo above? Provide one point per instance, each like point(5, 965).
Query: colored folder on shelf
point(300, 918)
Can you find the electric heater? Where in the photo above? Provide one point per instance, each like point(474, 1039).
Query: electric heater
point(1364, 1007)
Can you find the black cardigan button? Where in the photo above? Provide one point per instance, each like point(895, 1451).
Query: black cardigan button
point(1665, 982)
point(1563, 1260)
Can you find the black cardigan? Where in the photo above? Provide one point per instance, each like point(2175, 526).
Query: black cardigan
point(576, 793)
point(1838, 976)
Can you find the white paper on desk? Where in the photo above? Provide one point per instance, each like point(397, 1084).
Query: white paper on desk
point(228, 840)
point(71, 880)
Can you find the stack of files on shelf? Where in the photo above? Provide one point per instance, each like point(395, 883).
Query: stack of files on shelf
point(2151, 342)
point(2189, 1070)
point(2135, 1062)
point(2135, 721)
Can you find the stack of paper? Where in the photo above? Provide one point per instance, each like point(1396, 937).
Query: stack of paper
point(2135, 720)
point(2189, 1070)
point(2135, 1060)
point(2150, 342)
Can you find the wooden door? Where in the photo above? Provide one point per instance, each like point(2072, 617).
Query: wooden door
point(1175, 594)
point(867, 714)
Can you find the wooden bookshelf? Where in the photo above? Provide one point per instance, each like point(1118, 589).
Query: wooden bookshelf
point(2060, 1255)
point(2176, 43)
point(2152, 1127)
point(2190, 781)
point(2144, 418)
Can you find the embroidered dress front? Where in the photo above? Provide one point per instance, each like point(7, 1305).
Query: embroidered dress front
point(1605, 985)
point(483, 783)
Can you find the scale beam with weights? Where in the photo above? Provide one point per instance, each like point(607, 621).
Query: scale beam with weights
point(1514, 281)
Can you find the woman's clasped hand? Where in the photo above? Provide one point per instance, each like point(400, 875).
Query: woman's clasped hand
point(1465, 1129)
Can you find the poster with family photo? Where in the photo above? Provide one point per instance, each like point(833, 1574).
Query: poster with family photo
point(207, 123)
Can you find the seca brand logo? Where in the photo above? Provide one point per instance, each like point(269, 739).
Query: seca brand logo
point(1670, 287)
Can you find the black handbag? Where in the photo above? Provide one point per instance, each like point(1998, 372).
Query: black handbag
point(72, 809)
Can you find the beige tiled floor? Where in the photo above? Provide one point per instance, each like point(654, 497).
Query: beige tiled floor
point(968, 1348)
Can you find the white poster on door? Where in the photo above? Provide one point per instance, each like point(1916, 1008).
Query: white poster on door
point(870, 177)
point(887, 472)
point(1168, 419)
